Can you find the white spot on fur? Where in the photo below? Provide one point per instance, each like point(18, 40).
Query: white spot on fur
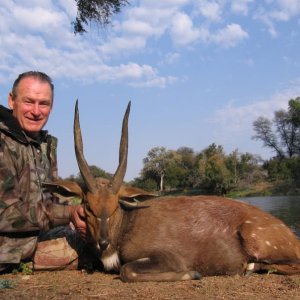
point(250, 267)
point(268, 243)
point(133, 274)
point(111, 262)
point(253, 235)
point(248, 222)
point(260, 228)
point(275, 247)
point(143, 259)
point(186, 276)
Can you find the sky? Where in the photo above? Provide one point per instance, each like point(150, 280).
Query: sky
point(196, 72)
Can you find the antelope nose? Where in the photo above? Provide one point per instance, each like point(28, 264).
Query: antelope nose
point(103, 244)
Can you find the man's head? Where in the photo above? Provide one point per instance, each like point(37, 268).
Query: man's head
point(31, 100)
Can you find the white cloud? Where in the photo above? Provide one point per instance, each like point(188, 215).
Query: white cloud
point(290, 7)
point(240, 118)
point(138, 27)
point(241, 6)
point(155, 82)
point(171, 58)
point(37, 18)
point(120, 45)
point(211, 10)
point(183, 31)
point(279, 11)
point(38, 37)
point(37, 34)
point(229, 36)
point(69, 7)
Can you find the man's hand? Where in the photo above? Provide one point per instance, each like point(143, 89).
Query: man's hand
point(77, 217)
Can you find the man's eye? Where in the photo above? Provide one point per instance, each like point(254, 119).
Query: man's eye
point(46, 104)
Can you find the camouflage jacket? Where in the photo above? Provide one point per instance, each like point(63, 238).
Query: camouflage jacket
point(25, 208)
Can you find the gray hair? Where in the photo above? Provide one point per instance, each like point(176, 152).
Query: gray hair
point(43, 77)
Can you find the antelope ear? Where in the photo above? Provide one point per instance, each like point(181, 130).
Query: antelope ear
point(136, 193)
point(64, 188)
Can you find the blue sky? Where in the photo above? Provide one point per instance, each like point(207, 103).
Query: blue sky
point(196, 71)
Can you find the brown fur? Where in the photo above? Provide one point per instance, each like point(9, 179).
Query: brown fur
point(179, 238)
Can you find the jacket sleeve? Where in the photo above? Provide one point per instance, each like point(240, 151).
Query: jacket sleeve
point(19, 212)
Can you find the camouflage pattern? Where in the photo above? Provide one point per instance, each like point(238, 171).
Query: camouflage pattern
point(26, 210)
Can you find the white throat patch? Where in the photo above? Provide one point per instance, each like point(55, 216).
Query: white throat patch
point(111, 262)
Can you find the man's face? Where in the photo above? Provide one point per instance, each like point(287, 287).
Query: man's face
point(32, 104)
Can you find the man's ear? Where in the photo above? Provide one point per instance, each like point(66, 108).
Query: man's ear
point(10, 101)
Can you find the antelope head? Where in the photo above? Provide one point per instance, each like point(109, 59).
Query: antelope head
point(101, 198)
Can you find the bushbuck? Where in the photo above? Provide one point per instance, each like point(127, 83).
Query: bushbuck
point(177, 238)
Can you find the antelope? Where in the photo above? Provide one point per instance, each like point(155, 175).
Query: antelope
point(177, 238)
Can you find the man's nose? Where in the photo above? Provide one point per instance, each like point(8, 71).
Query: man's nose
point(36, 109)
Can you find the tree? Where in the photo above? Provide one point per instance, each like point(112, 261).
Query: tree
point(187, 167)
point(155, 165)
point(282, 134)
point(96, 172)
point(98, 11)
point(216, 178)
point(263, 128)
point(294, 110)
point(245, 168)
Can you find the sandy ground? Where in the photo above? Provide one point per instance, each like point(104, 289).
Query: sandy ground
point(80, 285)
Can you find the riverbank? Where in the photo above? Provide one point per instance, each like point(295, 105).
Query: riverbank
point(264, 188)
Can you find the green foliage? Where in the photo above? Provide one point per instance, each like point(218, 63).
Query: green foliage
point(6, 284)
point(147, 184)
point(98, 11)
point(282, 134)
point(23, 268)
point(216, 176)
point(210, 170)
point(287, 169)
point(294, 111)
point(96, 172)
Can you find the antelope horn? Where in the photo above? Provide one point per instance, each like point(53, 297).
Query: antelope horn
point(86, 174)
point(123, 153)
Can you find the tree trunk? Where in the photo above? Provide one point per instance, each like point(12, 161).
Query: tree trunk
point(162, 182)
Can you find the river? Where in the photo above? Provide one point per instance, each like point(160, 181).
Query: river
point(286, 208)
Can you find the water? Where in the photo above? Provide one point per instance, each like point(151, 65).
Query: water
point(286, 208)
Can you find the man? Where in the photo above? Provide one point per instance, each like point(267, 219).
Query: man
point(28, 213)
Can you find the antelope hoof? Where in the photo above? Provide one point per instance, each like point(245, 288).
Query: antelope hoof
point(191, 275)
